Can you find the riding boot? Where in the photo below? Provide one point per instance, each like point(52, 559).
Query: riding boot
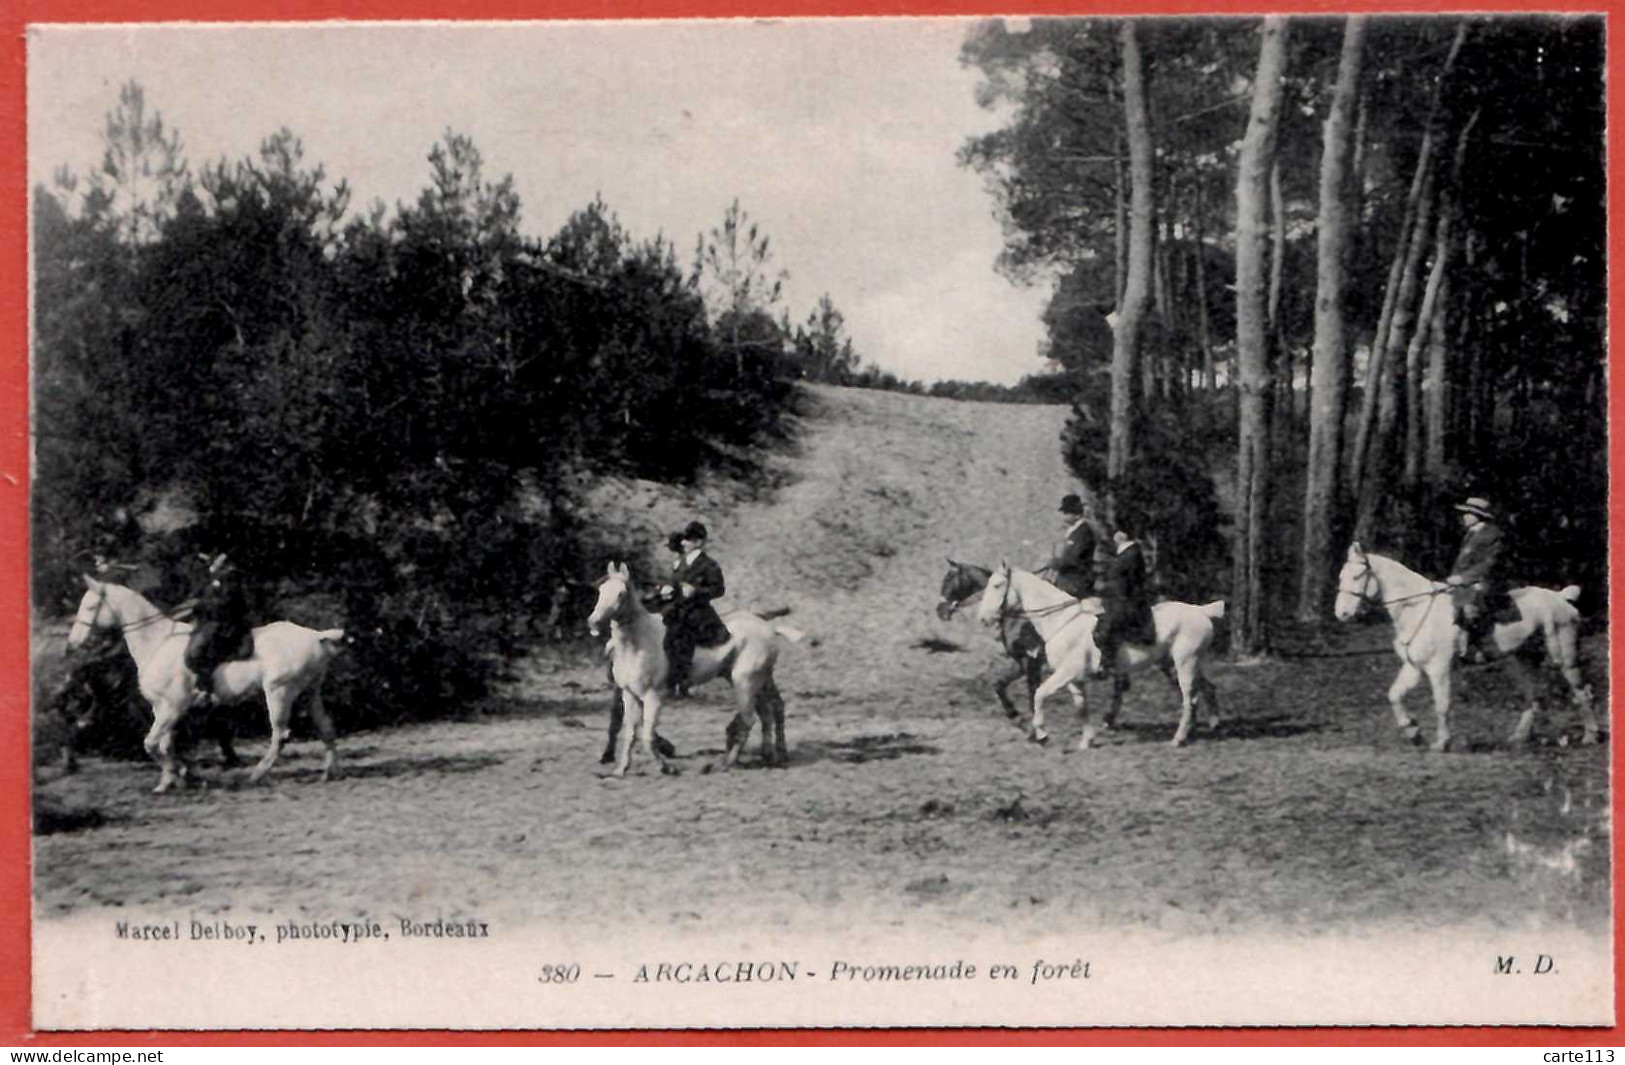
point(1476, 633)
point(205, 688)
point(677, 680)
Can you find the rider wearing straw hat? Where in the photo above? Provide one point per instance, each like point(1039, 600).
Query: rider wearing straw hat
point(1476, 586)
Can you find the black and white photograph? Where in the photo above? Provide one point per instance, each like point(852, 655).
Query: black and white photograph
point(849, 522)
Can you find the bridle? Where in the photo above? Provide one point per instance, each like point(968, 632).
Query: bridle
point(1370, 578)
point(1007, 611)
point(131, 626)
point(1364, 595)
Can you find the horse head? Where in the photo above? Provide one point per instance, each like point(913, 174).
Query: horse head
point(1357, 584)
point(614, 598)
point(995, 596)
point(958, 585)
point(95, 612)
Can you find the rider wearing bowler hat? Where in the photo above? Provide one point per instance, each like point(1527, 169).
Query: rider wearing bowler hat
point(1476, 586)
point(1073, 565)
point(691, 620)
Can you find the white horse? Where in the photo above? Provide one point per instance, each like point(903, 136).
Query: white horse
point(288, 660)
point(1184, 634)
point(638, 665)
point(1426, 638)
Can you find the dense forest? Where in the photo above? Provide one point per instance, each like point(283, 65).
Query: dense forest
point(1359, 260)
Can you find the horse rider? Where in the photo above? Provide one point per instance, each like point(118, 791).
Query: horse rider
point(219, 625)
point(691, 620)
point(1477, 589)
point(1125, 592)
point(1073, 566)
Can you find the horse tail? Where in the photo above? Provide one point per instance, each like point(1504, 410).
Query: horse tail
point(330, 640)
point(1213, 610)
point(794, 635)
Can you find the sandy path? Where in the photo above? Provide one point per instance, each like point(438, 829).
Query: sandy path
point(909, 803)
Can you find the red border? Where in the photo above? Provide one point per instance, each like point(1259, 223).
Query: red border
point(15, 966)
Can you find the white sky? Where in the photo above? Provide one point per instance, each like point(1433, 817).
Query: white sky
point(838, 137)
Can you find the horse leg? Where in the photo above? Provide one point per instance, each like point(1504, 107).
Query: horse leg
point(220, 728)
point(1056, 681)
point(740, 725)
point(1187, 687)
point(1563, 647)
point(1439, 679)
point(279, 707)
point(1080, 703)
point(1209, 697)
point(629, 728)
point(651, 714)
point(160, 745)
point(1408, 678)
point(1120, 687)
point(616, 713)
point(775, 704)
point(1001, 686)
point(324, 729)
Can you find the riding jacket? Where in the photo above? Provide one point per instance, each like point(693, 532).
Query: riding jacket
point(1126, 595)
point(1478, 565)
point(691, 613)
point(1075, 563)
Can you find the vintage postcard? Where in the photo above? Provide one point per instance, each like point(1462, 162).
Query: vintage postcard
point(820, 523)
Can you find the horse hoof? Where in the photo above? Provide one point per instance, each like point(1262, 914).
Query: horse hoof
point(1041, 739)
point(670, 771)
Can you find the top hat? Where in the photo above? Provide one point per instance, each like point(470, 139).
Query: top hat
point(694, 531)
point(1071, 504)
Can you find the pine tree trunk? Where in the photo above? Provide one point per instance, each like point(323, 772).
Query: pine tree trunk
point(1411, 471)
point(1377, 445)
point(1329, 372)
point(1203, 324)
point(1137, 287)
point(1380, 381)
point(1436, 390)
point(1252, 341)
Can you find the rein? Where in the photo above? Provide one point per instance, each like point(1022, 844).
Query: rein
point(133, 626)
point(1006, 611)
point(1432, 596)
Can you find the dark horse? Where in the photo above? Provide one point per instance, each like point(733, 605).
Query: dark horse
point(964, 582)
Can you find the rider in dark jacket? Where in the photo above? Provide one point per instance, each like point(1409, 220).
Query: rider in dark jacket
point(220, 624)
point(1073, 566)
point(1477, 587)
point(1125, 592)
point(691, 620)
